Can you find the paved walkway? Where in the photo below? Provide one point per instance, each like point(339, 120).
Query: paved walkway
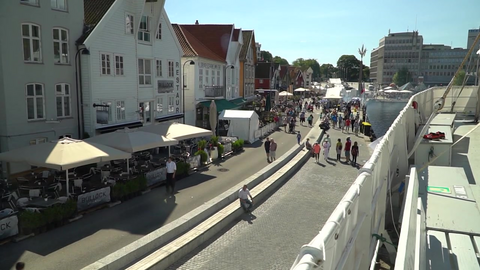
point(272, 236)
point(102, 232)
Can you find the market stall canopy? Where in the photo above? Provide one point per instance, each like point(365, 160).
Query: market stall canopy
point(301, 90)
point(243, 124)
point(177, 131)
point(335, 93)
point(391, 91)
point(285, 93)
point(132, 140)
point(63, 154)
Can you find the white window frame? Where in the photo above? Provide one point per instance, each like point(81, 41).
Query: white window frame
point(159, 31)
point(171, 104)
point(106, 64)
point(129, 24)
point(64, 53)
point(65, 94)
point(159, 68)
point(200, 78)
point(35, 3)
point(108, 109)
point(171, 68)
point(144, 32)
point(31, 40)
point(55, 4)
point(119, 65)
point(143, 76)
point(38, 140)
point(34, 97)
point(159, 106)
point(120, 110)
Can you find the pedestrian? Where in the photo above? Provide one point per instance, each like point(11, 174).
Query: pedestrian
point(299, 137)
point(348, 145)
point(347, 125)
point(171, 170)
point(273, 150)
point(308, 146)
point(326, 149)
point(355, 153)
point(338, 148)
point(316, 151)
point(356, 125)
point(310, 120)
point(329, 141)
point(243, 195)
point(266, 144)
point(20, 266)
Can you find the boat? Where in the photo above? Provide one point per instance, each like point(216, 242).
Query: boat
point(415, 203)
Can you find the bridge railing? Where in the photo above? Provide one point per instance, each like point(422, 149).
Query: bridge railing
point(346, 240)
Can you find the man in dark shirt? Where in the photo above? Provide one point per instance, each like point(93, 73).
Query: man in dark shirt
point(266, 144)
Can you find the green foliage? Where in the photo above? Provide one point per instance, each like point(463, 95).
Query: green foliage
point(267, 56)
point(58, 212)
point(280, 60)
point(202, 154)
point(327, 70)
point(183, 168)
point(366, 73)
point(214, 140)
point(31, 220)
point(119, 190)
point(202, 144)
point(238, 144)
point(129, 187)
point(221, 150)
point(304, 64)
point(348, 67)
point(401, 77)
point(459, 78)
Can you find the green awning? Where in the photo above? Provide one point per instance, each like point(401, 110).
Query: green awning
point(238, 101)
point(222, 104)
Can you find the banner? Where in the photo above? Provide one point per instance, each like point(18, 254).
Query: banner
point(194, 161)
point(156, 176)
point(8, 226)
point(93, 198)
point(227, 148)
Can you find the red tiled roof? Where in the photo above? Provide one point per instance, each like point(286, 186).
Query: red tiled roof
point(215, 37)
point(236, 34)
point(191, 46)
point(186, 47)
point(283, 71)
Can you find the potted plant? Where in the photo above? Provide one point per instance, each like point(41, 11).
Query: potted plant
point(202, 144)
point(221, 150)
point(183, 169)
point(203, 155)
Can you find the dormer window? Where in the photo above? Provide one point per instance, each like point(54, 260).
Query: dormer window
point(144, 30)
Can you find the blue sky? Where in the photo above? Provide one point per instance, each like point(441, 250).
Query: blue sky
point(325, 30)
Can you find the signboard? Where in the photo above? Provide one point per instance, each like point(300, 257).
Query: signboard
point(439, 189)
point(8, 226)
point(165, 86)
point(93, 198)
point(177, 87)
point(194, 161)
point(156, 176)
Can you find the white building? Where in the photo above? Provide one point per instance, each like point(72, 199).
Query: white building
point(37, 73)
point(132, 73)
point(215, 74)
point(307, 75)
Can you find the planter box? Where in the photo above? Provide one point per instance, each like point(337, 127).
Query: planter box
point(214, 153)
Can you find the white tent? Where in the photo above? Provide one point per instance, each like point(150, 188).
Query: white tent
point(243, 124)
point(285, 93)
point(335, 93)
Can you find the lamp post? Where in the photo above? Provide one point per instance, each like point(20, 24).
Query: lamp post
point(225, 78)
point(78, 84)
point(362, 51)
point(183, 89)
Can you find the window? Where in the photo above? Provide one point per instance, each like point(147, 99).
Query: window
point(170, 104)
point(106, 64)
point(144, 72)
point(38, 141)
point(170, 68)
point(104, 114)
point(159, 68)
point(31, 43)
point(60, 46)
point(120, 110)
point(118, 65)
point(200, 78)
point(63, 100)
point(159, 105)
point(129, 24)
point(35, 102)
point(30, 2)
point(159, 31)
point(59, 4)
point(144, 31)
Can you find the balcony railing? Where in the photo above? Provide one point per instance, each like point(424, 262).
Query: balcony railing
point(214, 91)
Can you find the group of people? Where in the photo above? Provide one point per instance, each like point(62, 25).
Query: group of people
point(350, 151)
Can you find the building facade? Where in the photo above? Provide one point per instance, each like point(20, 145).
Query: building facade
point(248, 60)
point(440, 62)
point(259, 51)
point(308, 75)
point(131, 75)
point(38, 97)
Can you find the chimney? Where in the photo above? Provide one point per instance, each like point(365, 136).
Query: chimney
point(196, 22)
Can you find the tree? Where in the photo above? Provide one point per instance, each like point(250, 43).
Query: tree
point(326, 71)
point(266, 56)
point(402, 76)
point(459, 78)
point(366, 73)
point(304, 64)
point(280, 60)
point(348, 66)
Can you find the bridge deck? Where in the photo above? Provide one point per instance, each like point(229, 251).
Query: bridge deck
point(272, 235)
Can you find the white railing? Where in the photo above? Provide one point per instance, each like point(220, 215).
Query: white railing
point(346, 240)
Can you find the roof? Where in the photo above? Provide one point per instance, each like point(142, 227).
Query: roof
point(94, 10)
point(215, 37)
point(236, 34)
point(191, 46)
point(283, 71)
point(236, 114)
point(262, 70)
point(247, 37)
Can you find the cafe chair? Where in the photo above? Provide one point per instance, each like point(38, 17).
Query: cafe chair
point(34, 193)
point(77, 184)
point(22, 203)
point(94, 170)
point(6, 212)
point(22, 180)
point(87, 176)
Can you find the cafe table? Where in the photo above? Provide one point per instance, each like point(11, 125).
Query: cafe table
point(42, 203)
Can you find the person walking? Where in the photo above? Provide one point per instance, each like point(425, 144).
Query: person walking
point(348, 145)
point(347, 125)
point(171, 170)
point(299, 137)
point(310, 120)
point(355, 153)
point(266, 144)
point(243, 195)
point(273, 150)
point(338, 148)
point(326, 149)
point(316, 151)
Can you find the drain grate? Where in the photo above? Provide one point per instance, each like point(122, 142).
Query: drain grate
point(223, 170)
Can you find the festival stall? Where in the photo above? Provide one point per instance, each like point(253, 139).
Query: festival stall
point(243, 124)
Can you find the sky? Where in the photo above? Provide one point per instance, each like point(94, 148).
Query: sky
point(325, 30)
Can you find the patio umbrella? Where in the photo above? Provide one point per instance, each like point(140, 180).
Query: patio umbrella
point(177, 131)
point(300, 90)
point(285, 93)
point(213, 116)
point(64, 154)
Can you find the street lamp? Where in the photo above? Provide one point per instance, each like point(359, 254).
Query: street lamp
point(78, 85)
point(183, 84)
point(362, 51)
point(225, 77)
